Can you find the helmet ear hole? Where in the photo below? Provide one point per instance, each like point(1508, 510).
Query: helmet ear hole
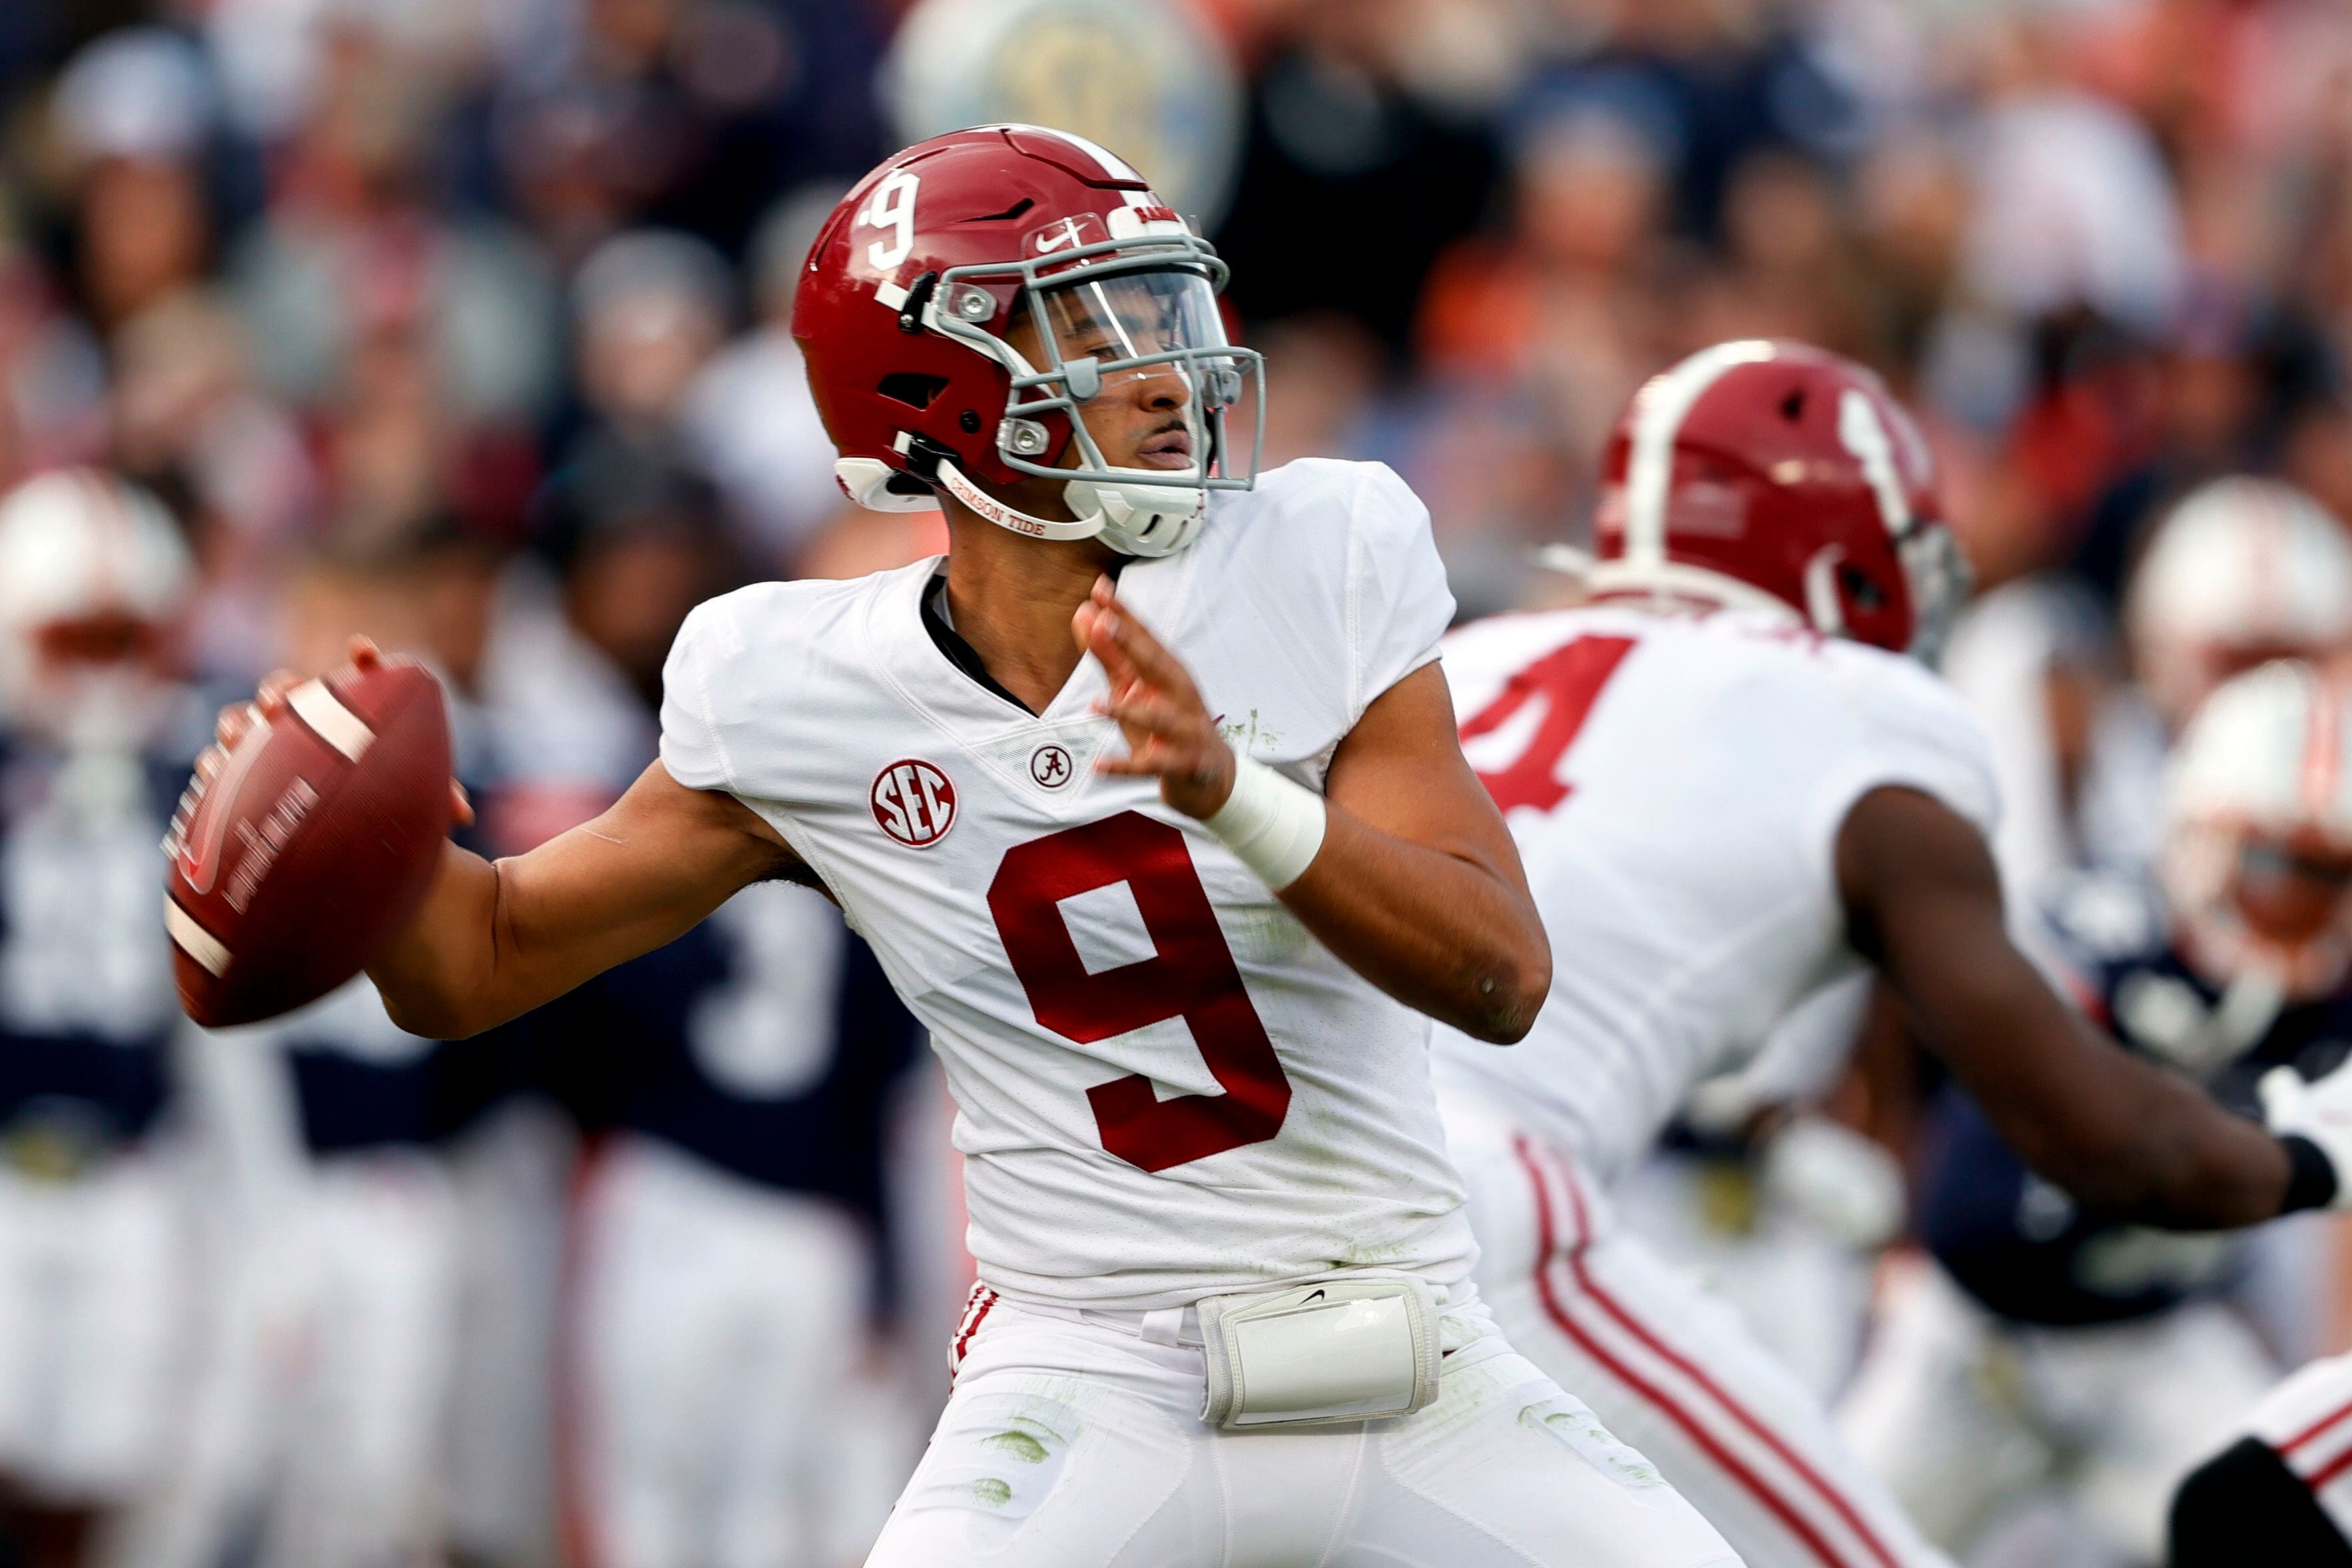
point(914, 391)
point(1792, 407)
point(1860, 591)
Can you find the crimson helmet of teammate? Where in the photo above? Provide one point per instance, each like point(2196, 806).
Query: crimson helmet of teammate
point(1773, 474)
point(967, 300)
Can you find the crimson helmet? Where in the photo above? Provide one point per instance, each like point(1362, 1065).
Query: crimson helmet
point(928, 270)
point(1773, 475)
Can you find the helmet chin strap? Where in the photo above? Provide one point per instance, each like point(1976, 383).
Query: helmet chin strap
point(1084, 526)
point(1131, 525)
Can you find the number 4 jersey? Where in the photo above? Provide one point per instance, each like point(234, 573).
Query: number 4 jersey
point(1677, 784)
point(1166, 1086)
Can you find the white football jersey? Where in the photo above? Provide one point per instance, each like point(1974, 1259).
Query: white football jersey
point(1166, 1086)
point(1677, 784)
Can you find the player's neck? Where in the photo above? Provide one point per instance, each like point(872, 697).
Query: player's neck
point(1012, 599)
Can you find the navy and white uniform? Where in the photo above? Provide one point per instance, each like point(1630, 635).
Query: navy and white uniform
point(729, 1235)
point(372, 1230)
point(2018, 1245)
point(94, 1281)
point(2052, 1343)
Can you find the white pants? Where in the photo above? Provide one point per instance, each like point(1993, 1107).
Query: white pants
point(360, 1477)
point(1964, 1416)
point(1080, 1444)
point(1672, 1371)
point(94, 1299)
point(719, 1331)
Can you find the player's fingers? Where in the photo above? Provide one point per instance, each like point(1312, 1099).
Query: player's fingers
point(1155, 663)
point(1135, 764)
point(232, 723)
point(270, 695)
point(364, 652)
point(1145, 708)
point(461, 804)
point(1093, 633)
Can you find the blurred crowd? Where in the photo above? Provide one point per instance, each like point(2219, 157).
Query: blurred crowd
point(465, 324)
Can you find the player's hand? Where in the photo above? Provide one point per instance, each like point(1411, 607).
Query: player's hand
point(238, 717)
point(2320, 1111)
point(1171, 734)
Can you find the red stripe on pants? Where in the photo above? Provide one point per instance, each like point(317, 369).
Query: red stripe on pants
point(1780, 1507)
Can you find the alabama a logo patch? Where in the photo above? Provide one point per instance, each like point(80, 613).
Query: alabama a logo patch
point(914, 803)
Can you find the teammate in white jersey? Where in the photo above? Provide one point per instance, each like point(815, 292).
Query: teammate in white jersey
point(1731, 790)
point(1146, 889)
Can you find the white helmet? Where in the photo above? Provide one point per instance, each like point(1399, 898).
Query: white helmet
point(2257, 856)
point(2243, 571)
point(92, 567)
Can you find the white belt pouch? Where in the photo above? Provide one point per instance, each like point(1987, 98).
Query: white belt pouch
point(1346, 1349)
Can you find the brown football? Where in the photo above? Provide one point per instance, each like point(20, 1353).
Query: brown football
point(313, 845)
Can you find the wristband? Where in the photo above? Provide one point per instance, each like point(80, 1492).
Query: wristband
point(2310, 1180)
point(1273, 825)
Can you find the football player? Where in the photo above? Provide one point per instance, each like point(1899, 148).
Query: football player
point(2119, 1357)
point(2240, 571)
point(1148, 801)
point(95, 1272)
point(1730, 789)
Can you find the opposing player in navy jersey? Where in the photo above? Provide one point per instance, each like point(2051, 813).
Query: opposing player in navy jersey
point(728, 1235)
point(94, 1275)
point(2122, 1367)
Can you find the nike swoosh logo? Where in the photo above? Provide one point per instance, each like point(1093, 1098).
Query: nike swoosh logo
point(1317, 1297)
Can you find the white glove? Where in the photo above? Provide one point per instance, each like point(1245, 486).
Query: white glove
point(2318, 1111)
point(1840, 1179)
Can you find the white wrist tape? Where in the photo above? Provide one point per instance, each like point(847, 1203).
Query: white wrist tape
point(1274, 826)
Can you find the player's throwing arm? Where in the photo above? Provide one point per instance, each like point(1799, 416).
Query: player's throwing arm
point(488, 941)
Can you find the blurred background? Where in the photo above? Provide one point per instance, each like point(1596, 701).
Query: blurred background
point(464, 323)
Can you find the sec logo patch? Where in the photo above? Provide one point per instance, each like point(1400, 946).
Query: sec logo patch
point(914, 803)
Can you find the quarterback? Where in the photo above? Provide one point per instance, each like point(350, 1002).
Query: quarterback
point(1733, 791)
point(1148, 801)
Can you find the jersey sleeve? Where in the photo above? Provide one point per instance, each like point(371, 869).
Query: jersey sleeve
point(1907, 730)
point(1398, 602)
point(694, 747)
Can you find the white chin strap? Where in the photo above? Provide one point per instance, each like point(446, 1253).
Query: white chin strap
point(1134, 520)
point(1086, 525)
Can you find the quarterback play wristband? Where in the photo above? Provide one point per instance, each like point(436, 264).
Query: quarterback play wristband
point(1274, 826)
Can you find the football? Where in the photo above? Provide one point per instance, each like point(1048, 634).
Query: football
point(313, 845)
